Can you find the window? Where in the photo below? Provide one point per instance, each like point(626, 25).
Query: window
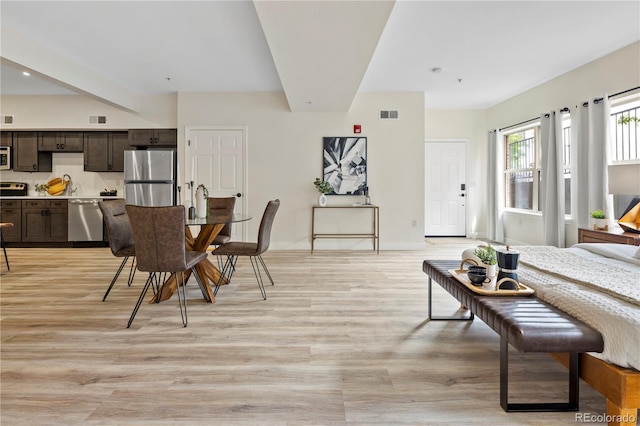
point(522, 169)
point(625, 123)
point(625, 140)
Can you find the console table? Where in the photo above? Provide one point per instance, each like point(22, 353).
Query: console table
point(375, 225)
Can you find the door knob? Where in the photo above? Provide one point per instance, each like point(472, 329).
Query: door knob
point(238, 195)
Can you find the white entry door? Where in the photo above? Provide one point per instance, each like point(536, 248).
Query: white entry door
point(215, 157)
point(445, 186)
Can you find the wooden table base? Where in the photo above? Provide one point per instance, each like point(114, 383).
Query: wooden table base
point(208, 272)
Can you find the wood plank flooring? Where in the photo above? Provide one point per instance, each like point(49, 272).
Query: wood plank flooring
point(342, 339)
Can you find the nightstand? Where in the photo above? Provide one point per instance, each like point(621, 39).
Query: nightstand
point(611, 236)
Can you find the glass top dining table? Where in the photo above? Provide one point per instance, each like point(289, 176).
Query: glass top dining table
point(210, 227)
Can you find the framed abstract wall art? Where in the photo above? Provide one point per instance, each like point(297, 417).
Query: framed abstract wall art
point(344, 164)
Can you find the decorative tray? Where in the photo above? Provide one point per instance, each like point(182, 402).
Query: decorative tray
point(488, 288)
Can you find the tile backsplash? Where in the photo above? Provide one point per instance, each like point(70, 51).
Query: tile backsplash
point(87, 183)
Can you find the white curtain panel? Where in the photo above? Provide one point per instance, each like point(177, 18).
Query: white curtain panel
point(552, 179)
point(591, 137)
point(495, 185)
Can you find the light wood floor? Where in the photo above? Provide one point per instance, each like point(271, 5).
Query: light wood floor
point(342, 339)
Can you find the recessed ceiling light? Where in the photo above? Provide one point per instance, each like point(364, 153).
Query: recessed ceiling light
point(26, 73)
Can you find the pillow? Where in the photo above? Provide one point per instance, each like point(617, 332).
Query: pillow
point(637, 255)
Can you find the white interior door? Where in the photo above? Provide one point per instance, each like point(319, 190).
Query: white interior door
point(445, 186)
point(216, 158)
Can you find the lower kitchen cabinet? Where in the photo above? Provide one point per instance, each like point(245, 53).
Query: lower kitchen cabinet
point(44, 221)
point(11, 211)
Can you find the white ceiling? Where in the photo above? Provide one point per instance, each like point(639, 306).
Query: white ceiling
point(320, 53)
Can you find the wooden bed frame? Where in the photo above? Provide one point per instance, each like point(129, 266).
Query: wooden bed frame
point(621, 387)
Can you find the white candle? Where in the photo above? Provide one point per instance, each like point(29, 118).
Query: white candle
point(193, 169)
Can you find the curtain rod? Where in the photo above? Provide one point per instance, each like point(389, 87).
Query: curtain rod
point(624, 91)
point(518, 124)
point(566, 109)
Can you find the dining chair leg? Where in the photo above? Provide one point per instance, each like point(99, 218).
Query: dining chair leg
point(194, 272)
point(182, 300)
point(115, 278)
point(256, 271)
point(264, 266)
point(226, 272)
point(147, 284)
point(132, 271)
point(4, 249)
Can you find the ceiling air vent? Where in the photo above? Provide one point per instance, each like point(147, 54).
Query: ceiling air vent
point(7, 119)
point(388, 114)
point(97, 119)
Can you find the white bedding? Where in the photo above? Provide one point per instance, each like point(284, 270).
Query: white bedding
point(614, 315)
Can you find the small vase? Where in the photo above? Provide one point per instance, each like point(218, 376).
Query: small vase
point(491, 269)
point(601, 224)
point(322, 200)
point(201, 204)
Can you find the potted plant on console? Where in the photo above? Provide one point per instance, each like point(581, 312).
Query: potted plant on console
point(488, 257)
point(323, 188)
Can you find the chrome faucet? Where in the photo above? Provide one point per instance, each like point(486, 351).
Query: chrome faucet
point(73, 190)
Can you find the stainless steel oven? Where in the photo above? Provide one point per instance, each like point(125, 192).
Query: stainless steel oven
point(5, 158)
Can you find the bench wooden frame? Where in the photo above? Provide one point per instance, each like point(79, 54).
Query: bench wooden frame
point(620, 386)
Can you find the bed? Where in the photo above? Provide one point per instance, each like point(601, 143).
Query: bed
point(600, 285)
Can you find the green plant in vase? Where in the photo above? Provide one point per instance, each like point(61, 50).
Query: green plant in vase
point(488, 256)
point(600, 222)
point(323, 188)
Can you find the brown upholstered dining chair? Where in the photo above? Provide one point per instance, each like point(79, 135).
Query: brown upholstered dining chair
point(159, 236)
point(222, 205)
point(120, 237)
point(232, 250)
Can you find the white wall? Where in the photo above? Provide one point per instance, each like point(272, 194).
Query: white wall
point(285, 156)
point(610, 74)
point(71, 112)
point(469, 126)
point(613, 73)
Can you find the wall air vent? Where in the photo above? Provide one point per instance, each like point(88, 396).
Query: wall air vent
point(389, 114)
point(97, 119)
point(7, 119)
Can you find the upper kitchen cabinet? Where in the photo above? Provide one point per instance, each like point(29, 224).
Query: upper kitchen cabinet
point(153, 137)
point(104, 151)
point(60, 141)
point(26, 157)
point(6, 138)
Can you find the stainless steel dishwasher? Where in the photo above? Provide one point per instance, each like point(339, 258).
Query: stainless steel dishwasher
point(85, 219)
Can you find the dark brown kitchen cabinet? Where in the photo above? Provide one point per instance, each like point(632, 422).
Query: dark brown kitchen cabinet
point(153, 137)
point(26, 157)
point(6, 139)
point(60, 141)
point(44, 220)
point(11, 211)
point(104, 151)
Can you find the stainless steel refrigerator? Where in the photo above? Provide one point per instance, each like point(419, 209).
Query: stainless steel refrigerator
point(150, 177)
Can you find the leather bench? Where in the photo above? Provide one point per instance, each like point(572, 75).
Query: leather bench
point(526, 323)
